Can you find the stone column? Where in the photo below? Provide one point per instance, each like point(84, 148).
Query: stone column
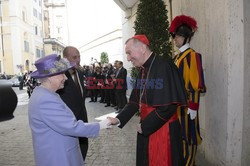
point(246, 105)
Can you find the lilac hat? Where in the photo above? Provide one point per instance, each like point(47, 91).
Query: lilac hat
point(50, 65)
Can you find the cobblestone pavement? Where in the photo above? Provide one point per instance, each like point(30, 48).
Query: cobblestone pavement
point(115, 147)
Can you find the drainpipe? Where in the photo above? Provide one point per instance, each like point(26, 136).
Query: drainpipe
point(1, 22)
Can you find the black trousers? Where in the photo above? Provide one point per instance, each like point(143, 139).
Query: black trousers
point(93, 94)
point(107, 96)
point(121, 98)
point(102, 94)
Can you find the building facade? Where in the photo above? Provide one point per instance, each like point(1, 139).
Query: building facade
point(21, 35)
point(29, 30)
point(99, 30)
point(110, 43)
point(56, 35)
point(223, 38)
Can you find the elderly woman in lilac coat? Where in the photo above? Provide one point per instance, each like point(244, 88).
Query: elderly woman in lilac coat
point(53, 125)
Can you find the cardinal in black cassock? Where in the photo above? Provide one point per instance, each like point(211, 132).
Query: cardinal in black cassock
point(157, 94)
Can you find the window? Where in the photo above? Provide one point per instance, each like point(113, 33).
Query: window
point(24, 17)
point(40, 3)
point(38, 54)
point(26, 46)
point(59, 30)
point(42, 53)
point(34, 12)
point(27, 65)
point(40, 16)
point(36, 30)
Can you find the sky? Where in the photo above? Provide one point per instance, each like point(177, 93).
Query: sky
point(89, 19)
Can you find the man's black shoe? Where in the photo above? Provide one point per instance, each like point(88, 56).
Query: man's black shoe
point(107, 105)
point(91, 101)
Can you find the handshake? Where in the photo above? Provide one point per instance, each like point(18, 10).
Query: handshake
point(108, 123)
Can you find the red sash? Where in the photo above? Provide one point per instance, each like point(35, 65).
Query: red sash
point(159, 142)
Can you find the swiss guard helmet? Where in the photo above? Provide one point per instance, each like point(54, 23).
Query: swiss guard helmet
point(183, 25)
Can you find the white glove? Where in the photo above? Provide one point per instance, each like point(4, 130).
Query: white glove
point(193, 113)
point(139, 130)
point(104, 124)
point(114, 121)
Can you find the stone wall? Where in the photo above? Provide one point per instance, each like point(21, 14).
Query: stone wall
point(223, 40)
point(246, 107)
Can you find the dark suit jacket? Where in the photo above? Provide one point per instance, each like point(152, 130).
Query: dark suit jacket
point(73, 99)
point(121, 79)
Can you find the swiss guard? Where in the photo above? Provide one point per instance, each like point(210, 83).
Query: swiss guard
point(189, 63)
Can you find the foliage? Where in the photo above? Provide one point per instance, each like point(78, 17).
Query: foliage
point(104, 58)
point(152, 20)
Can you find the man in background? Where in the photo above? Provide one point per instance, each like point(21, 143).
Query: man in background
point(74, 92)
point(121, 86)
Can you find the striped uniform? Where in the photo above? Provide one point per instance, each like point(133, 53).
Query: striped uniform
point(189, 63)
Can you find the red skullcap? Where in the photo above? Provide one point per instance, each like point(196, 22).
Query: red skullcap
point(142, 38)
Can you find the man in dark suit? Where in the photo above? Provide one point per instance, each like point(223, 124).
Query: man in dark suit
point(121, 86)
point(74, 92)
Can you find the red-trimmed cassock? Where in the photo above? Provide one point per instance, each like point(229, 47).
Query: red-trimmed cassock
point(158, 92)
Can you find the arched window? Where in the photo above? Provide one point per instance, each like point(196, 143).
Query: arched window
point(27, 65)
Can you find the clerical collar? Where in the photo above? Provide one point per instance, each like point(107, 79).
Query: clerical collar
point(148, 62)
point(184, 47)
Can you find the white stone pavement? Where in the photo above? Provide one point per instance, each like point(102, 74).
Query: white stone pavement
point(23, 99)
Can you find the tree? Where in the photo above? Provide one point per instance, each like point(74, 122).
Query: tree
point(104, 58)
point(152, 20)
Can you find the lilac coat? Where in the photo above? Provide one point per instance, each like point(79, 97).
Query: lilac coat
point(55, 130)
